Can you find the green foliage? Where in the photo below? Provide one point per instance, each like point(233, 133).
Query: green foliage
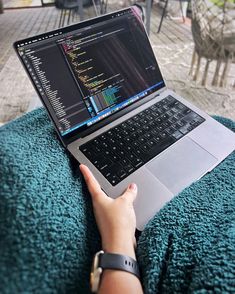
point(221, 3)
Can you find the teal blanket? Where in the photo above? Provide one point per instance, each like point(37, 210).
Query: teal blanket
point(48, 233)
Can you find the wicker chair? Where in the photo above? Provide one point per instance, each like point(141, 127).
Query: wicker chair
point(213, 29)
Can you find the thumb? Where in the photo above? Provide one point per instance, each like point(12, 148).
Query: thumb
point(130, 193)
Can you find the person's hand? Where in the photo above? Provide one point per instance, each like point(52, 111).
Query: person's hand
point(115, 218)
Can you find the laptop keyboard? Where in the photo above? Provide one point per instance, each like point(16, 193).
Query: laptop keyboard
point(123, 149)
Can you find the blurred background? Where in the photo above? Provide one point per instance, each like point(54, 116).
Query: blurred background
point(193, 41)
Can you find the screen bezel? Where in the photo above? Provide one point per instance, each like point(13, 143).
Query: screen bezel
point(78, 133)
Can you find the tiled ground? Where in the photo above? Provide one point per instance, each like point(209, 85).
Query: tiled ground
point(21, 23)
point(24, 3)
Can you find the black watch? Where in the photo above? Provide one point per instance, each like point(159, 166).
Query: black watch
point(111, 261)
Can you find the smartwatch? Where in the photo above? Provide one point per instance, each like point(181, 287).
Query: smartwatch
point(104, 261)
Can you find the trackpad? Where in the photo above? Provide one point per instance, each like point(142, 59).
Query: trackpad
point(181, 165)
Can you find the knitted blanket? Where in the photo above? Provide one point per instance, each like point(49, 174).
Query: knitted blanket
point(48, 234)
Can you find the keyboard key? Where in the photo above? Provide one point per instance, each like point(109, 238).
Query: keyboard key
point(106, 163)
point(121, 173)
point(129, 168)
point(113, 179)
point(136, 118)
point(124, 162)
point(87, 150)
point(138, 152)
point(164, 117)
point(136, 144)
point(107, 153)
point(121, 144)
point(172, 120)
point(157, 139)
point(184, 130)
point(177, 135)
point(163, 135)
point(146, 127)
point(148, 136)
point(135, 161)
point(104, 145)
point(166, 124)
point(97, 149)
point(151, 143)
point(103, 137)
point(160, 128)
point(142, 140)
point(115, 158)
point(96, 142)
point(100, 162)
point(170, 130)
point(170, 99)
point(145, 147)
point(124, 125)
point(134, 136)
point(155, 114)
point(114, 148)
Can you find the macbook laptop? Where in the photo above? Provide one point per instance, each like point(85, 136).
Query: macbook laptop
point(102, 87)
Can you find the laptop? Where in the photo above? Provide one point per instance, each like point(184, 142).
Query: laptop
point(103, 90)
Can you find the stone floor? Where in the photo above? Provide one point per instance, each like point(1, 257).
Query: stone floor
point(173, 48)
point(25, 3)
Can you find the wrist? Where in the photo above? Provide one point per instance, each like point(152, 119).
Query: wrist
point(120, 246)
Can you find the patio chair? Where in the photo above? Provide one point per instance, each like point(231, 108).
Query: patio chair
point(72, 6)
point(66, 6)
point(165, 10)
point(100, 6)
point(213, 29)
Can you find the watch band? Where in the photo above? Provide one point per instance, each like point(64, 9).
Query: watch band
point(119, 262)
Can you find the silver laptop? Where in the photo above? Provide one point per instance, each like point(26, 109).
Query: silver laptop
point(102, 87)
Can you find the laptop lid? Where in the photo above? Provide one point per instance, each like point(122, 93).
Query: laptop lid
point(93, 72)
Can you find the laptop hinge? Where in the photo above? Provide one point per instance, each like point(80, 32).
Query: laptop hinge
point(116, 116)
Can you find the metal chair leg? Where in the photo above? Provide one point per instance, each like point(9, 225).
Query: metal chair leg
point(223, 79)
point(193, 62)
point(181, 8)
point(73, 15)
point(105, 6)
point(70, 10)
point(95, 7)
point(195, 77)
point(163, 14)
point(204, 78)
point(216, 74)
point(63, 20)
point(60, 21)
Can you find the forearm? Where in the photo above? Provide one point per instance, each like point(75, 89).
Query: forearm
point(115, 282)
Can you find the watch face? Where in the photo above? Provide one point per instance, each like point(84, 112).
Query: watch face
point(96, 272)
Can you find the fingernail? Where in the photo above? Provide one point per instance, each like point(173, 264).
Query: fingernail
point(133, 187)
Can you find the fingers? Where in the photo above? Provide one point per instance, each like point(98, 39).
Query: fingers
point(130, 193)
point(95, 190)
point(92, 184)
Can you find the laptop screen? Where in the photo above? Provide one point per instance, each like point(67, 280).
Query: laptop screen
point(86, 72)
